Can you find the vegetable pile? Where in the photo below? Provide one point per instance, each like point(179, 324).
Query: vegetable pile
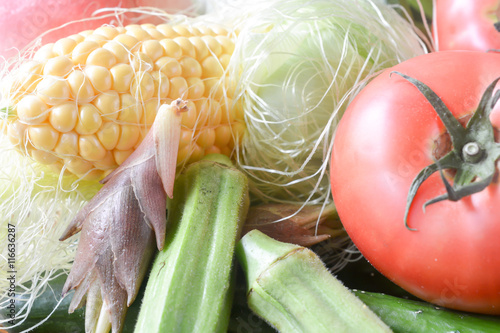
point(170, 172)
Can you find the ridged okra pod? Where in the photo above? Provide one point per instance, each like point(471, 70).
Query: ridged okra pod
point(290, 287)
point(190, 284)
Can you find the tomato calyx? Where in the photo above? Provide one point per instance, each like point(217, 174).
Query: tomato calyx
point(474, 150)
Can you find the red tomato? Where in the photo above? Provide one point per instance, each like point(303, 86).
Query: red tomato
point(466, 25)
point(385, 138)
point(24, 20)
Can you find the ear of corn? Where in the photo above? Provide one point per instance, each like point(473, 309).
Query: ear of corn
point(85, 102)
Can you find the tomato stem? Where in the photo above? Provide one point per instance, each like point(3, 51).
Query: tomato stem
point(474, 153)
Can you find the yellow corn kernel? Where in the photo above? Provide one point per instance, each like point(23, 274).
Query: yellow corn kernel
point(78, 165)
point(67, 144)
point(205, 137)
point(137, 31)
point(150, 109)
point(53, 90)
point(121, 155)
point(63, 117)
point(171, 49)
point(222, 135)
point(178, 87)
point(152, 31)
point(81, 89)
point(227, 110)
point(130, 110)
point(107, 163)
point(108, 104)
point(122, 75)
point(181, 30)
point(101, 57)
point(108, 135)
point(64, 46)
point(16, 133)
point(167, 30)
point(227, 150)
point(161, 84)
point(239, 112)
point(32, 110)
point(238, 129)
point(183, 154)
point(226, 43)
point(194, 30)
point(190, 67)
point(89, 119)
point(169, 66)
point(142, 62)
point(190, 117)
point(196, 88)
point(77, 38)
point(99, 39)
point(212, 150)
point(44, 157)
point(218, 30)
point(129, 41)
point(186, 137)
point(143, 131)
point(128, 137)
point(196, 153)
point(153, 49)
point(43, 137)
point(211, 67)
point(213, 45)
point(214, 88)
point(224, 60)
point(206, 30)
point(90, 148)
point(28, 76)
point(187, 47)
point(82, 51)
point(120, 51)
point(106, 31)
point(203, 106)
point(201, 48)
point(142, 86)
point(214, 114)
point(99, 77)
point(45, 52)
point(58, 66)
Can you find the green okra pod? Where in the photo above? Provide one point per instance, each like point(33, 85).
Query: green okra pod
point(190, 284)
point(290, 287)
